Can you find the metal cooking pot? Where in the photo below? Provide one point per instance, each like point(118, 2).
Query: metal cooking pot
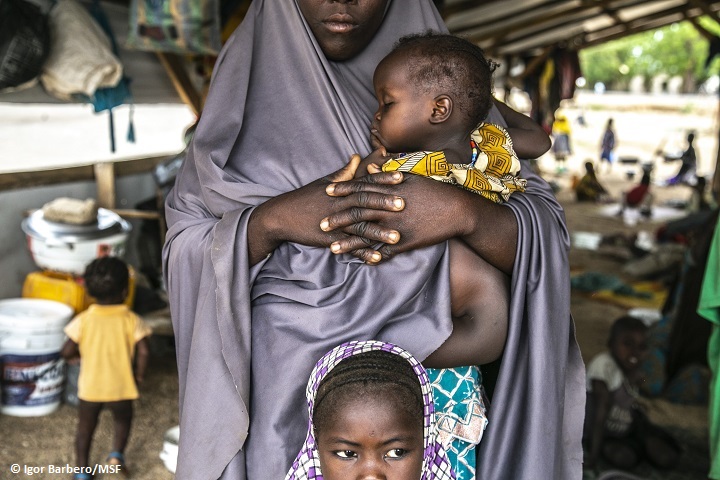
point(70, 248)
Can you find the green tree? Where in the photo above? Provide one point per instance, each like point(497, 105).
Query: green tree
point(677, 49)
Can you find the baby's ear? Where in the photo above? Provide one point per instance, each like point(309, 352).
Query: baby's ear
point(442, 109)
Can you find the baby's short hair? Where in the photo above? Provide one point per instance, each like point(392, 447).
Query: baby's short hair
point(367, 375)
point(107, 278)
point(453, 64)
point(624, 324)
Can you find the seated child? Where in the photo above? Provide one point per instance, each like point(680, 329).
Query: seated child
point(371, 416)
point(107, 337)
point(615, 427)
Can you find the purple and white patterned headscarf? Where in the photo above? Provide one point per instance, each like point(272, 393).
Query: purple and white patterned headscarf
point(307, 463)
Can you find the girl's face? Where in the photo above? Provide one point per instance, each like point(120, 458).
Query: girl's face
point(343, 28)
point(371, 439)
point(628, 349)
point(402, 120)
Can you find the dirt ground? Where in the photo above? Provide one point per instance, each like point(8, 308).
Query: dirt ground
point(48, 440)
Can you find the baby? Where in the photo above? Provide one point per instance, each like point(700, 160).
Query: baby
point(434, 91)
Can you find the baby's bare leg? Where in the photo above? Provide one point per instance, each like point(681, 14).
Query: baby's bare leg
point(480, 304)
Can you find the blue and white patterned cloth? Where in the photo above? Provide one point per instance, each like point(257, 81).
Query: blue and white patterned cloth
point(461, 415)
point(436, 465)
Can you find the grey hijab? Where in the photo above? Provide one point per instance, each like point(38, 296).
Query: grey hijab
point(278, 116)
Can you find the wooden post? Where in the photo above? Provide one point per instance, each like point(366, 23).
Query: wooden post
point(715, 184)
point(105, 180)
point(175, 69)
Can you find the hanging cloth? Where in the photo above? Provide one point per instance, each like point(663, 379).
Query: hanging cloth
point(111, 97)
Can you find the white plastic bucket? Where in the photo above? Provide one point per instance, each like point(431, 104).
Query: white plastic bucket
point(169, 453)
point(32, 372)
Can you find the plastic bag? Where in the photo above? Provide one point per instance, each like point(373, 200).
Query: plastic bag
point(81, 59)
point(24, 43)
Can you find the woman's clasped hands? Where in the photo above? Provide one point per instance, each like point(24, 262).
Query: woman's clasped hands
point(420, 214)
point(372, 217)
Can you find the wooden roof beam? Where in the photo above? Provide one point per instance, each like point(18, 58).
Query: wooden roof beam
point(459, 7)
point(517, 20)
point(651, 19)
point(701, 30)
point(637, 25)
point(529, 34)
point(706, 9)
point(175, 68)
point(587, 11)
point(666, 19)
point(499, 40)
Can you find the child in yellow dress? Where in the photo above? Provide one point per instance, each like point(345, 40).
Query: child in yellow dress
point(107, 337)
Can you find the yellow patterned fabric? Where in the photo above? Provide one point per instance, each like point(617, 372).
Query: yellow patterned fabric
point(492, 175)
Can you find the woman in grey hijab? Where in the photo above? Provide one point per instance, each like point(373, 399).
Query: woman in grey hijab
point(256, 295)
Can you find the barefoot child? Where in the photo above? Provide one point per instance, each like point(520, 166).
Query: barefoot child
point(107, 337)
point(371, 416)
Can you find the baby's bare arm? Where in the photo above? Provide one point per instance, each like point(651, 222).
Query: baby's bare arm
point(529, 139)
point(480, 299)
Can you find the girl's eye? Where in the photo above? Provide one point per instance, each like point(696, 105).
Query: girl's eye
point(386, 106)
point(396, 453)
point(345, 454)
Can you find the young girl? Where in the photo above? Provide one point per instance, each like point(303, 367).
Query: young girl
point(107, 337)
point(371, 416)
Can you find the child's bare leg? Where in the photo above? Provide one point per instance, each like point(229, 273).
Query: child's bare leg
point(88, 413)
point(480, 302)
point(122, 418)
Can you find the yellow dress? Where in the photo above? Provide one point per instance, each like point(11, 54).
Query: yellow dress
point(106, 336)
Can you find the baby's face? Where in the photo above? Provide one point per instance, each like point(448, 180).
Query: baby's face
point(628, 349)
point(402, 121)
point(371, 438)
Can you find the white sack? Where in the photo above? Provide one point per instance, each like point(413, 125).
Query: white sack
point(81, 58)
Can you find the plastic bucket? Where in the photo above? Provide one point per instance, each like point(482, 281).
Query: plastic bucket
point(32, 373)
point(169, 453)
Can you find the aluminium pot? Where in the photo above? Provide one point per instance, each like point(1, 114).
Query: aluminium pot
point(69, 248)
